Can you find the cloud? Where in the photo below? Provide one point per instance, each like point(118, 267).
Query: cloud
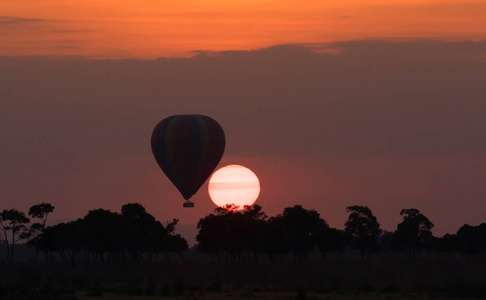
point(15, 24)
point(18, 25)
point(63, 31)
point(372, 97)
point(17, 20)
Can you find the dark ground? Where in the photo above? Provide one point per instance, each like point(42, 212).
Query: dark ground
point(387, 275)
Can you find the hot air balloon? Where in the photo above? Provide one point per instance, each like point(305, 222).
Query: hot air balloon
point(188, 148)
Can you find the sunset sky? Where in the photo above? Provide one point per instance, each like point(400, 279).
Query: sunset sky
point(330, 103)
point(154, 28)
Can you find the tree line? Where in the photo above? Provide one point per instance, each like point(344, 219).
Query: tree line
point(101, 236)
point(228, 235)
point(251, 235)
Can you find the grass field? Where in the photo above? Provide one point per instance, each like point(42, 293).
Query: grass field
point(265, 295)
point(380, 277)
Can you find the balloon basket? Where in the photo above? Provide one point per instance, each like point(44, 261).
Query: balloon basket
point(188, 204)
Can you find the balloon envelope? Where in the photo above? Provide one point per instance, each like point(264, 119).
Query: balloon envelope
point(188, 148)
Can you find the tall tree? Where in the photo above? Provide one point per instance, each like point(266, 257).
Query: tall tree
point(254, 223)
point(143, 232)
point(230, 234)
point(103, 233)
point(364, 228)
point(39, 211)
point(472, 239)
point(173, 242)
point(330, 240)
point(213, 234)
point(449, 244)
point(299, 227)
point(413, 233)
point(14, 221)
point(65, 238)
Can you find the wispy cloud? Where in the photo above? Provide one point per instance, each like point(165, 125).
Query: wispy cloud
point(21, 35)
point(62, 31)
point(14, 25)
point(18, 20)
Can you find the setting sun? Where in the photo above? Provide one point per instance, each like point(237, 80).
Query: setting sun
point(234, 184)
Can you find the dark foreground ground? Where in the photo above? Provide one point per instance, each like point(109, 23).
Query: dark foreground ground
point(267, 295)
point(380, 277)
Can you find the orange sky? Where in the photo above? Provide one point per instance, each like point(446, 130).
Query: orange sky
point(155, 28)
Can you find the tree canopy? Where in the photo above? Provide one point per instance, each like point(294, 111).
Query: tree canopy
point(364, 228)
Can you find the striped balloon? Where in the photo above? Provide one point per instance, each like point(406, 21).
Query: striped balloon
point(188, 148)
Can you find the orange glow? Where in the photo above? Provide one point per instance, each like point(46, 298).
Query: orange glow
point(234, 184)
point(154, 28)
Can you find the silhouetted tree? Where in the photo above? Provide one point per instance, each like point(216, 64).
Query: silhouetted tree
point(65, 238)
point(103, 233)
point(39, 211)
point(170, 227)
point(254, 223)
point(449, 244)
point(230, 234)
point(299, 227)
point(104, 236)
point(158, 238)
point(226, 208)
point(363, 227)
point(413, 233)
point(14, 221)
point(225, 232)
point(472, 239)
point(385, 240)
point(143, 233)
point(213, 235)
point(274, 243)
point(331, 240)
point(175, 243)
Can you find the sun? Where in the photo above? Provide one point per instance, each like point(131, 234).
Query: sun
point(234, 184)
